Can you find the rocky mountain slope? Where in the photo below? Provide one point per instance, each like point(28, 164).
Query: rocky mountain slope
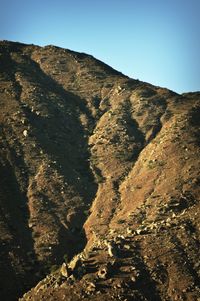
point(99, 185)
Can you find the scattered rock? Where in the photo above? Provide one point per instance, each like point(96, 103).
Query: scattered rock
point(102, 273)
point(25, 133)
point(112, 249)
point(64, 270)
point(91, 287)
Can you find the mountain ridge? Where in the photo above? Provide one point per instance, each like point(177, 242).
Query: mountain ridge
point(95, 161)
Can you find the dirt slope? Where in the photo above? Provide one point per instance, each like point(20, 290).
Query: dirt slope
point(100, 165)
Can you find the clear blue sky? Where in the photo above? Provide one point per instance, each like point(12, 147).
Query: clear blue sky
point(157, 41)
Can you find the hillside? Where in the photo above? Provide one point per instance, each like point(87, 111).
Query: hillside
point(99, 185)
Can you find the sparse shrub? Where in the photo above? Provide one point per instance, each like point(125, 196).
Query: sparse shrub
point(66, 258)
point(99, 178)
point(161, 163)
point(121, 221)
point(35, 235)
point(86, 212)
point(54, 268)
point(155, 163)
point(124, 156)
point(138, 186)
point(151, 164)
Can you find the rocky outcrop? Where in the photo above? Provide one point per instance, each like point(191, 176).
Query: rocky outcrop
point(99, 181)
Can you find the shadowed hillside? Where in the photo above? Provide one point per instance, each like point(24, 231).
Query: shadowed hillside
point(99, 185)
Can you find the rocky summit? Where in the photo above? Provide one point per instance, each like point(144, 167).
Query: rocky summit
point(99, 182)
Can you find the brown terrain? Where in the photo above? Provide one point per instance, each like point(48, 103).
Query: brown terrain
point(99, 185)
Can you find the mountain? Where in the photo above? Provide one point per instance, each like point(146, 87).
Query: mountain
point(99, 185)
